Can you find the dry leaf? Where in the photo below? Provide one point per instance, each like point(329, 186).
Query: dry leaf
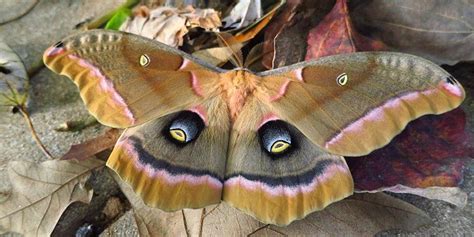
point(453, 195)
point(244, 13)
point(41, 192)
point(93, 146)
point(285, 37)
point(336, 35)
point(169, 25)
point(439, 30)
point(359, 215)
point(13, 78)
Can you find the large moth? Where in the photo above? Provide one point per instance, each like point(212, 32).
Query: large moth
point(270, 144)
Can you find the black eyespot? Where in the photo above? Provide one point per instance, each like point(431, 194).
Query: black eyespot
point(184, 128)
point(450, 79)
point(275, 138)
point(59, 44)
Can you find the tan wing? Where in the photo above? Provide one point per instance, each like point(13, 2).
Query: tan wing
point(352, 104)
point(275, 173)
point(126, 80)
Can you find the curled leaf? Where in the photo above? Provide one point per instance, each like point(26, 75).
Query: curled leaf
point(118, 18)
point(41, 192)
point(169, 25)
point(243, 14)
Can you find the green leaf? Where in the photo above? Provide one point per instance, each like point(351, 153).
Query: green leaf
point(118, 18)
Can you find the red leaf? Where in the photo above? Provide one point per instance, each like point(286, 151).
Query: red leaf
point(431, 151)
point(336, 35)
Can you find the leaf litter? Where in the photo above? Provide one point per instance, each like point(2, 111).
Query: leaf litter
point(169, 25)
point(41, 192)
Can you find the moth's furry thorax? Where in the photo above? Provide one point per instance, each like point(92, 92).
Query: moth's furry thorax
point(237, 85)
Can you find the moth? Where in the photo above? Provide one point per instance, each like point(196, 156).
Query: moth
point(270, 144)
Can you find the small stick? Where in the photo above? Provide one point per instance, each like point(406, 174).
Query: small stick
point(27, 117)
point(203, 215)
point(185, 223)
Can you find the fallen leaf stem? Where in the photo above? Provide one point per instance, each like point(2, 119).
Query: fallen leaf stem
point(185, 223)
point(27, 117)
point(201, 224)
point(258, 229)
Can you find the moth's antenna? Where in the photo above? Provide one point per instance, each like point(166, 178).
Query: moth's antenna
point(231, 43)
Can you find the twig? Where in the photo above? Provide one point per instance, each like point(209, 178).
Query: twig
point(214, 208)
point(185, 223)
point(258, 229)
point(279, 232)
point(203, 215)
point(27, 117)
point(21, 15)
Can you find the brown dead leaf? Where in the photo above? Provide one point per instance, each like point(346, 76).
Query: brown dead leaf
point(335, 34)
point(41, 192)
point(275, 27)
point(169, 25)
point(453, 195)
point(359, 215)
point(93, 146)
point(285, 36)
point(442, 31)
